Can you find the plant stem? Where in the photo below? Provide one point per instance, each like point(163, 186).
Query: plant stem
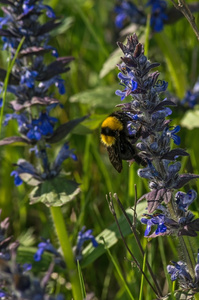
point(185, 245)
point(64, 241)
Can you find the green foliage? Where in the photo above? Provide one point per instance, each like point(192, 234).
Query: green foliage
point(55, 192)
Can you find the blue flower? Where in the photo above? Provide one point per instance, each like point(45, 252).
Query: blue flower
point(42, 126)
point(179, 271)
point(63, 154)
point(192, 96)
point(84, 236)
point(128, 81)
point(161, 86)
point(158, 15)
point(172, 134)
point(45, 246)
point(197, 268)
point(49, 11)
point(45, 123)
point(17, 180)
point(183, 200)
point(27, 267)
point(157, 220)
point(57, 80)
point(126, 10)
point(149, 172)
point(5, 20)
point(2, 294)
point(29, 78)
point(25, 168)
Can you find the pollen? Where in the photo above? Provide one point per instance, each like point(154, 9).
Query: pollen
point(107, 140)
point(113, 123)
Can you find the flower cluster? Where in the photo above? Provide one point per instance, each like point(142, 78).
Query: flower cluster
point(84, 236)
point(148, 113)
point(183, 223)
point(30, 82)
point(192, 96)
point(178, 270)
point(167, 206)
point(127, 11)
point(16, 281)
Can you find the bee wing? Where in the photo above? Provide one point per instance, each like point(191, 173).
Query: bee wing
point(115, 157)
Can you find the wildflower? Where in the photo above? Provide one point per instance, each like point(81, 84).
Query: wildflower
point(45, 246)
point(26, 172)
point(158, 220)
point(158, 14)
point(17, 180)
point(84, 236)
point(192, 96)
point(172, 134)
point(180, 271)
point(128, 82)
point(149, 114)
point(63, 154)
point(183, 200)
point(16, 281)
point(127, 11)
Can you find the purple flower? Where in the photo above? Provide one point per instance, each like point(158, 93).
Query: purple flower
point(42, 126)
point(63, 154)
point(17, 180)
point(2, 294)
point(192, 96)
point(158, 15)
point(172, 134)
point(126, 10)
point(26, 169)
point(84, 236)
point(45, 246)
point(179, 271)
point(157, 220)
point(57, 80)
point(183, 200)
point(128, 81)
point(29, 78)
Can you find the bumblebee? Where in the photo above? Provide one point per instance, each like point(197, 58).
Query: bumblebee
point(118, 141)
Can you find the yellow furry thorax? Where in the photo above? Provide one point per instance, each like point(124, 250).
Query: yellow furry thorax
point(113, 123)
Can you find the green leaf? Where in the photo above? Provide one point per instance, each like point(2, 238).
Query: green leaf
point(81, 279)
point(110, 236)
point(175, 64)
point(55, 192)
point(103, 97)
point(111, 62)
point(63, 130)
point(191, 119)
point(66, 23)
point(90, 124)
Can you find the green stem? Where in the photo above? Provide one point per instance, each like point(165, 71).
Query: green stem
point(188, 254)
point(64, 241)
point(6, 81)
point(185, 245)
